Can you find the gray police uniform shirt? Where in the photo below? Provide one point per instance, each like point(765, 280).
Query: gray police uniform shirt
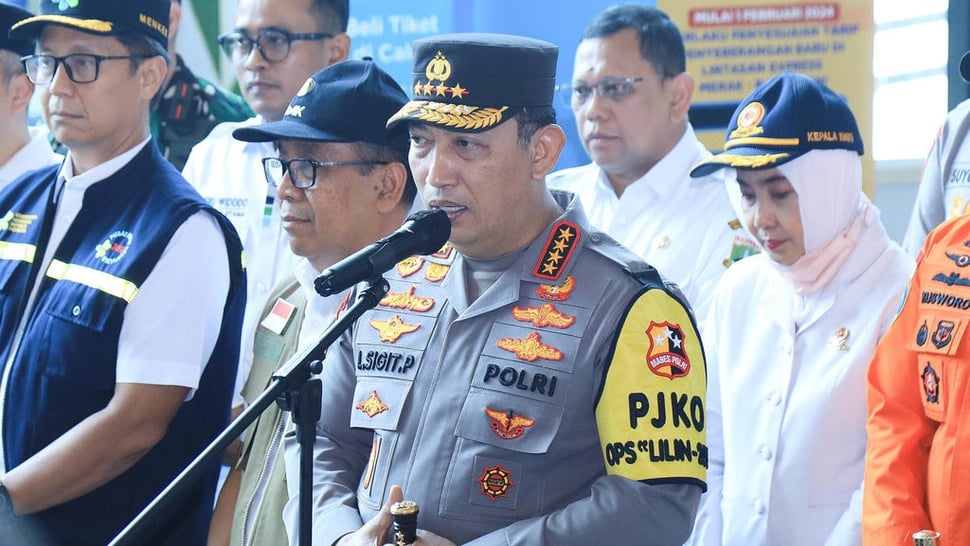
point(944, 186)
point(563, 406)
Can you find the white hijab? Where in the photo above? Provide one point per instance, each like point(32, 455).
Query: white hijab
point(834, 213)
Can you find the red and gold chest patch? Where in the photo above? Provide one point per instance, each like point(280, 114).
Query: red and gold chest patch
point(407, 300)
point(436, 272)
point(508, 425)
point(409, 266)
point(495, 482)
point(530, 348)
point(559, 248)
point(372, 405)
point(444, 252)
point(393, 328)
point(557, 292)
point(666, 356)
point(542, 316)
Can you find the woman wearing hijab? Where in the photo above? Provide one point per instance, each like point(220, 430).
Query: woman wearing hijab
point(791, 330)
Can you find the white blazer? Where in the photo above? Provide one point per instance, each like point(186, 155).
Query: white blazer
point(786, 404)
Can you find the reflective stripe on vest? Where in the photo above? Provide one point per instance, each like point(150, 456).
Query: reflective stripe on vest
point(99, 280)
point(21, 252)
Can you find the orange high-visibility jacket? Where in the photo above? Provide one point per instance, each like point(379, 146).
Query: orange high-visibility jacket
point(917, 472)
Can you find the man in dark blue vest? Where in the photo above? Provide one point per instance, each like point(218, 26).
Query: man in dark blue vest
point(121, 295)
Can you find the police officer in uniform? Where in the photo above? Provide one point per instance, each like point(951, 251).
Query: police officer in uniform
point(532, 382)
point(121, 296)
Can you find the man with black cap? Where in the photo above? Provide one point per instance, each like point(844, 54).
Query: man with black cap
point(343, 182)
point(532, 382)
point(944, 186)
point(919, 423)
point(22, 148)
point(274, 46)
point(122, 294)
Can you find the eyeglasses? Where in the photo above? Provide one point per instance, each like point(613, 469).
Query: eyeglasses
point(615, 89)
point(303, 172)
point(81, 67)
point(273, 44)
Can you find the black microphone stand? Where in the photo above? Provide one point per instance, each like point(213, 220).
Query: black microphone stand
point(297, 393)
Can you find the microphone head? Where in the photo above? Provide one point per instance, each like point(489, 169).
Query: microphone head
point(432, 229)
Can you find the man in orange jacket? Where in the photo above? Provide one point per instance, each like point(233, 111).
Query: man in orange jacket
point(918, 455)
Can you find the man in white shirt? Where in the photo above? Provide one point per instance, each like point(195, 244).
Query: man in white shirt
point(22, 148)
point(121, 296)
point(274, 46)
point(630, 95)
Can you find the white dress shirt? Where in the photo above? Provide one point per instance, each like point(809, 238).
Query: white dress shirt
point(229, 175)
point(36, 154)
point(682, 226)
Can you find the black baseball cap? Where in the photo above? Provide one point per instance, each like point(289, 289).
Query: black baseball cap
point(784, 118)
point(104, 17)
point(8, 16)
point(348, 101)
point(475, 81)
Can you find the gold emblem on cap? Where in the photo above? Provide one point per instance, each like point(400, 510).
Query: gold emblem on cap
point(308, 86)
point(748, 121)
point(661, 241)
point(439, 70)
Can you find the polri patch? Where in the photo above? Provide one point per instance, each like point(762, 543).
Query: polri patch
point(666, 355)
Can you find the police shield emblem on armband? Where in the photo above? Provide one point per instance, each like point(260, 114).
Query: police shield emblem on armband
point(666, 356)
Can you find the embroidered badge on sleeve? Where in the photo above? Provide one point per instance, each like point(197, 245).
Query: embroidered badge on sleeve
point(651, 413)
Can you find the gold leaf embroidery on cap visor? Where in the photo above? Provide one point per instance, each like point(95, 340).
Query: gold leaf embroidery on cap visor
point(459, 116)
point(94, 25)
point(748, 161)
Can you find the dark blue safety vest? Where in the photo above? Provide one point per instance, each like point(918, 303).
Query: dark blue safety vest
point(65, 368)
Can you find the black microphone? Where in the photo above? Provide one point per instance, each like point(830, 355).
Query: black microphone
point(423, 232)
